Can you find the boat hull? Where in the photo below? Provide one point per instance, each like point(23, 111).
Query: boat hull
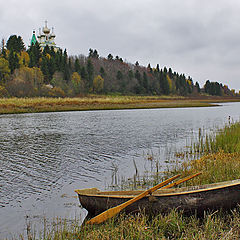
point(190, 202)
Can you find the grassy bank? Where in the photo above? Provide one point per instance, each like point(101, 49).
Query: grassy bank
point(220, 161)
point(94, 102)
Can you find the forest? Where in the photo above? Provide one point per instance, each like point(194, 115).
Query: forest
point(32, 72)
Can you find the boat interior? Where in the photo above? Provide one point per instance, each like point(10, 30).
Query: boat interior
point(168, 191)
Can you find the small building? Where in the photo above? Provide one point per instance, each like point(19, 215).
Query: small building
point(45, 37)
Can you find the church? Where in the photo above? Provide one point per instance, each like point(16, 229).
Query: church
point(45, 37)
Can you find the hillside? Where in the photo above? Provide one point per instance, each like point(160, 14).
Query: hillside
point(32, 72)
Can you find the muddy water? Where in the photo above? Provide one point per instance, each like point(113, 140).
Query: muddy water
point(44, 157)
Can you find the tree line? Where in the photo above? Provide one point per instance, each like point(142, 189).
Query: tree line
point(35, 72)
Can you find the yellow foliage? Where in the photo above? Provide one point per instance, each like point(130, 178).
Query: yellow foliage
point(4, 68)
point(56, 92)
point(76, 82)
point(76, 78)
point(3, 91)
point(28, 74)
point(24, 59)
point(189, 82)
point(48, 55)
point(98, 83)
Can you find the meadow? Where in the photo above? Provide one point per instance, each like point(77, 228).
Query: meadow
point(102, 102)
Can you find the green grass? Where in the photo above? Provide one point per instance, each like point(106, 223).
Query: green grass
point(174, 225)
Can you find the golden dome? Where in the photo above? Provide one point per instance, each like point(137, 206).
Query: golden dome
point(46, 30)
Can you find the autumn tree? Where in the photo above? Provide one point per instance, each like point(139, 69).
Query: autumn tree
point(98, 84)
point(4, 70)
point(24, 59)
point(76, 83)
point(25, 82)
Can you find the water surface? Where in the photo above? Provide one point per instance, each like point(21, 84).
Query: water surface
point(45, 156)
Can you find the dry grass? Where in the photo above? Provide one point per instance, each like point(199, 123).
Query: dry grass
point(93, 102)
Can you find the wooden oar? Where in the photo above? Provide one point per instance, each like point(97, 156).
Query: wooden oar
point(115, 210)
point(181, 181)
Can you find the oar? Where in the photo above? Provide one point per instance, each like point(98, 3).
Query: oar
point(115, 210)
point(181, 181)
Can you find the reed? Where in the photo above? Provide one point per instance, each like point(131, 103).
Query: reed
point(174, 225)
point(220, 159)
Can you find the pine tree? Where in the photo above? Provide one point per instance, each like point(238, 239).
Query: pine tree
point(149, 68)
point(35, 54)
point(90, 72)
point(197, 87)
point(15, 44)
point(83, 73)
point(110, 56)
point(13, 61)
point(77, 66)
point(145, 82)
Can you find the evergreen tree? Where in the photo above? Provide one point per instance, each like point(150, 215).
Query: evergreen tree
point(13, 61)
point(65, 66)
point(90, 72)
point(77, 66)
point(149, 68)
point(90, 54)
point(15, 44)
point(83, 73)
point(197, 87)
point(145, 82)
point(95, 54)
point(35, 54)
point(170, 73)
point(110, 56)
point(45, 69)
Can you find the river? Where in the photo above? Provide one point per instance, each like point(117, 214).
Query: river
point(45, 156)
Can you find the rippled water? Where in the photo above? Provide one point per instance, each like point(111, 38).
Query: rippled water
point(44, 157)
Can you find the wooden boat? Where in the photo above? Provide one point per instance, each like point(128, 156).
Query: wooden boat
point(196, 199)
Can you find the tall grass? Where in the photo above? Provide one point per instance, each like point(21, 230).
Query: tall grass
point(174, 225)
point(220, 160)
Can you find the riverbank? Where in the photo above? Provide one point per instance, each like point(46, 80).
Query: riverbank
point(97, 102)
point(220, 162)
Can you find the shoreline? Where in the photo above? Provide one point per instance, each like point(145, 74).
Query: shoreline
point(100, 102)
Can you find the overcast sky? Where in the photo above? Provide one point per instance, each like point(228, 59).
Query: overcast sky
point(200, 38)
